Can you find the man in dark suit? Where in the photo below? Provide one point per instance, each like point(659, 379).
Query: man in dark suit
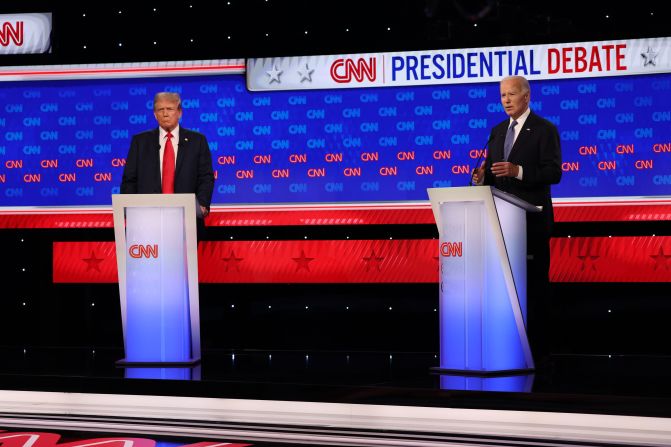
point(524, 159)
point(170, 159)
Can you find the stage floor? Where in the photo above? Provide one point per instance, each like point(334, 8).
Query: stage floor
point(305, 389)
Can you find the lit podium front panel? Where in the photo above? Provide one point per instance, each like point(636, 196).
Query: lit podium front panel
point(482, 280)
point(157, 260)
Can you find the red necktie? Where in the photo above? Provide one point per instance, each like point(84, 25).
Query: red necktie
point(168, 182)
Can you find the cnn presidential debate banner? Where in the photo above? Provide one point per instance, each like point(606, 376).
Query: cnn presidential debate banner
point(300, 137)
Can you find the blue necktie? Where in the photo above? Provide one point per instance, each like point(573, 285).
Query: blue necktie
point(510, 140)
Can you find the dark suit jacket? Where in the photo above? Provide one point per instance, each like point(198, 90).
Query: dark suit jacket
point(538, 151)
point(193, 168)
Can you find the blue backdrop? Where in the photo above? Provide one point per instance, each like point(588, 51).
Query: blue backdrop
point(64, 142)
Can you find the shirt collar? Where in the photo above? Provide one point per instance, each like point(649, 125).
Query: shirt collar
point(522, 119)
point(162, 133)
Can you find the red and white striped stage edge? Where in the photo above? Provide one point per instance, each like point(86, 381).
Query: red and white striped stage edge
point(612, 209)
point(579, 210)
point(125, 70)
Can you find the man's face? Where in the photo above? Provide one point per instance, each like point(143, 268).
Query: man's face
point(514, 101)
point(167, 114)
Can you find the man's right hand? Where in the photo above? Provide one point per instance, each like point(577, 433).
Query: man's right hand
point(479, 174)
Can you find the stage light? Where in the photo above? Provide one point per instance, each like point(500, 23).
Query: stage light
point(93, 304)
point(231, 237)
point(270, 307)
point(228, 37)
point(23, 304)
point(232, 306)
point(305, 237)
point(120, 44)
point(307, 307)
point(84, 47)
point(191, 40)
point(84, 15)
point(119, 11)
point(390, 307)
point(475, 25)
point(154, 9)
point(155, 42)
point(388, 28)
point(346, 307)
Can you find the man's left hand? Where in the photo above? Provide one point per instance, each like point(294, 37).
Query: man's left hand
point(505, 169)
point(204, 210)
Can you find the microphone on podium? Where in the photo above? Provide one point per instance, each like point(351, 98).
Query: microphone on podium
point(478, 162)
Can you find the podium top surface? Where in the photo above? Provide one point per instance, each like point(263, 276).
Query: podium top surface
point(475, 193)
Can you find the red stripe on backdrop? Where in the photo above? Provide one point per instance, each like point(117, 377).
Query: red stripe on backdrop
point(616, 259)
point(348, 261)
point(84, 262)
point(231, 217)
point(343, 261)
point(578, 259)
point(343, 214)
point(612, 213)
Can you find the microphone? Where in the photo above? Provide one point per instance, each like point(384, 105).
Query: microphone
point(477, 163)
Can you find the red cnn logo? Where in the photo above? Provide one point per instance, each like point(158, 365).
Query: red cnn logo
point(451, 249)
point(137, 251)
point(8, 32)
point(342, 70)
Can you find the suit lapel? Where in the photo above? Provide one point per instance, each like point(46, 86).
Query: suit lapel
point(184, 142)
point(525, 133)
point(155, 154)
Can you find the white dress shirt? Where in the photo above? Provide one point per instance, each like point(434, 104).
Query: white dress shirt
point(162, 139)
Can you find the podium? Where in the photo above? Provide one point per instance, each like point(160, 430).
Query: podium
point(157, 260)
point(482, 281)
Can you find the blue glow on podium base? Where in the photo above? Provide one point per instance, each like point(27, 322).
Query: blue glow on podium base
point(522, 383)
point(193, 373)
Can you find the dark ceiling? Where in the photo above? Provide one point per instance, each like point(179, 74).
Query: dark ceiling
point(96, 32)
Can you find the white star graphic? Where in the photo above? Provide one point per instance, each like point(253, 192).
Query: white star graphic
point(649, 57)
point(306, 75)
point(274, 75)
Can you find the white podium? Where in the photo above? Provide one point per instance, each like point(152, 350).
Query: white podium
point(157, 260)
point(482, 280)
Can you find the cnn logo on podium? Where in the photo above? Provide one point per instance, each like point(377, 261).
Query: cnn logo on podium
point(451, 249)
point(138, 251)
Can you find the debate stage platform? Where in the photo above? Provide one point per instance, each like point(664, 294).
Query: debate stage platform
point(333, 398)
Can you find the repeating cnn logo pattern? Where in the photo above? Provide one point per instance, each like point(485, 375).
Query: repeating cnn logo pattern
point(451, 249)
point(138, 251)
